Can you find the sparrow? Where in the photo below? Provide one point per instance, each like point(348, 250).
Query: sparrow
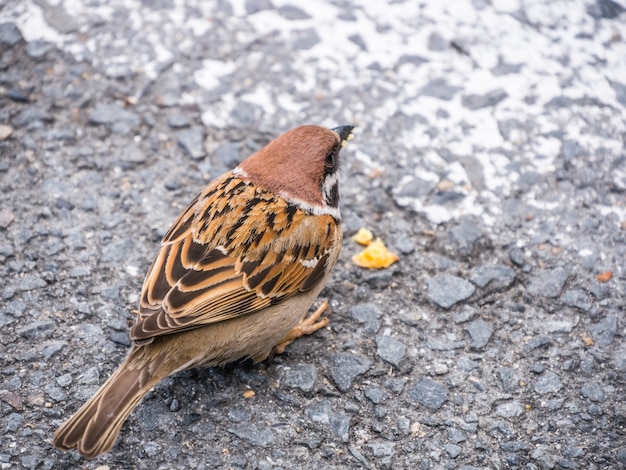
point(234, 277)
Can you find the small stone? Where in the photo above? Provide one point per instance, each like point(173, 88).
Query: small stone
point(346, 367)
point(516, 255)
point(453, 450)
point(509, 409)
point(456, 435)
point(429, 393)
point(369, 314)
point(112, 113)
point(605, 330)
point(465, 314)
point(497, 276)
point(227, 154)
point(177, 120)
point(52, 349)
point(593, 392)
point(375, 394)
point(61, 203)
point(340, 426)
point(439, 88)
point(292, 12)
point(302, 376)
point(381, 448)
point(548, 382)
point(64, 380)
point(174, 405)
point(305, 39)
point(5, 132)
point(38, 48)
point(480, 331)
point(191, 140)
point(492, 98)
point(132, 154)
point(32, 329)
point(394, 384)
point(577, 298)
point(120, 338)
point(55, 393)
point(260, 436)
point(13, 422)
point(151, 449)
point(561, 325)
point(538, 342)
point(390, 349)
point(6, 218)
point(446, 290)
point(405, 244)
point(12, 399)
point(607, 9)
point(508, 378)
point(9, 34)
point(548, 283)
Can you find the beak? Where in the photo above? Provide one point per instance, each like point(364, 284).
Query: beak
point(344, 133)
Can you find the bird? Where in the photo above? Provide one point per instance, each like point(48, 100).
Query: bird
point(234, 278)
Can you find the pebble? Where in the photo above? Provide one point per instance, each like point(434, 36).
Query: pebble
point(53, 348)
point(439, 88)
point(508, 379)
point(509, 409)
point(381, 448)
point(390, 349)
point(302, 376)
point(446, 290)
point(120, 338)
point(496, 276)
point(346, 367)
point(480, 332)
point(31, 329)
point(492, 98)
point(177, 120)
point(6, 218)
point(375, 394)
point(604, 331)
point(547, 382)
point(227, 154)
point(593, 391)
point(13, 422)
point(9, 34)
point(261, 436)
point(38, 48)
point(191, 140)
point(538, 342)
point(453, 450)
point(368, 314)
point(395, 384)
point(111, 114)
point(429, 393)
point(577, 298)
point(5, 132)
point(340, 426)
point(548, 283)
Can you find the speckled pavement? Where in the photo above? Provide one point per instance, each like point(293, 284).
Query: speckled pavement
point(490, 155)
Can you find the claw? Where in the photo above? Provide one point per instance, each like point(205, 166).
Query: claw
point(307, 326)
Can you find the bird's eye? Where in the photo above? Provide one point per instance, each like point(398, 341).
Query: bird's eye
point(330, 161)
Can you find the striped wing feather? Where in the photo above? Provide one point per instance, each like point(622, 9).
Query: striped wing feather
point(221, 260)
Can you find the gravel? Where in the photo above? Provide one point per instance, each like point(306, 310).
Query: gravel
point(489, 156)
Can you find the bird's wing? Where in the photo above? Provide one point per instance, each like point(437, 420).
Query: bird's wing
point(235, 250)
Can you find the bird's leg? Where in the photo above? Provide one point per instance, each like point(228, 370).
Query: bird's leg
point(307, 326)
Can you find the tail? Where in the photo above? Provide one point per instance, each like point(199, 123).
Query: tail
point(95, 426)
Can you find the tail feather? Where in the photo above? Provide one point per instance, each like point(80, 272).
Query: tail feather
point(94, 428)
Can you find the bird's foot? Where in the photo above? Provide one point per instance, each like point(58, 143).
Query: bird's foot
point(307, 326)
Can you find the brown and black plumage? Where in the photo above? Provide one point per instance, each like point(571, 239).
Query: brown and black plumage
point(234, 278)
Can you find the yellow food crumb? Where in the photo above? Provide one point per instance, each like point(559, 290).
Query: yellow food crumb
point(363, 237)
point(248, 394)
point(375, 256)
